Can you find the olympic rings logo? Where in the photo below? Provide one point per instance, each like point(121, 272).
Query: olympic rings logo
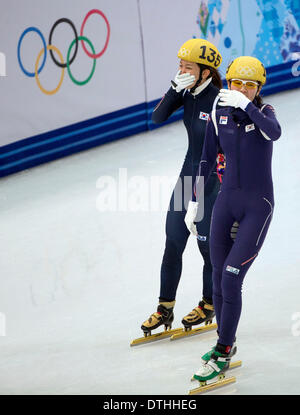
point(61, 64)
point(246, 71)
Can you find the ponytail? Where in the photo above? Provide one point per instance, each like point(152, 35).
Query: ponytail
point(216, 78)
point(214, 73)
point(259, 101)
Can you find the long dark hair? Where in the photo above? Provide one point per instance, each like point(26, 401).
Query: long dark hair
point(259, 100)
point(216, 77)
point(214, 73)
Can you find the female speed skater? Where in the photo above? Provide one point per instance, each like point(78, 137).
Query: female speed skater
point(245, 128)
point(195, 87)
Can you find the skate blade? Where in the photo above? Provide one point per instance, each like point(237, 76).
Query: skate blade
point(232, 365)
point(192, 332)
point(212, 386)
point(156, 336)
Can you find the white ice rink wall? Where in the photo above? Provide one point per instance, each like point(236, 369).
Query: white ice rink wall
point(51, 108)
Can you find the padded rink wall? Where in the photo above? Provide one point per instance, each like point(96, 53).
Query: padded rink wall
point(109, 62)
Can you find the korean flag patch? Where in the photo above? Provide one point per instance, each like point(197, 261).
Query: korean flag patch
point(223, 119)
point(203, 116)
point(249, 127)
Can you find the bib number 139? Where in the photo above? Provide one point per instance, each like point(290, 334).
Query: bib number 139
point(211, 57)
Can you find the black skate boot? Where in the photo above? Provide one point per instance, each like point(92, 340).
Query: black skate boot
point(204, 313)
point(163, 315)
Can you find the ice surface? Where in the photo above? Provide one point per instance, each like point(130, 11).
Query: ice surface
point(76, 283)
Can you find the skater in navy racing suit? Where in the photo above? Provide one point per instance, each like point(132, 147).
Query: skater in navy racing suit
point(195, 87)
point(246, 130)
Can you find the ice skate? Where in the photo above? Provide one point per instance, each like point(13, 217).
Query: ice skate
point(214, 365)
point(163, 316)
point(203, 313)
point(207, 356)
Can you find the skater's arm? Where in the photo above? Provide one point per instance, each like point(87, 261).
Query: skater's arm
point(207, 163)
point(265, 120)
point(170, 102)
point(208, 159)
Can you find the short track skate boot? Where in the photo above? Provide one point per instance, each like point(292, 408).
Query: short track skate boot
point(216, 366)
point(163, 315)
point(206, 357)
point(204, 312)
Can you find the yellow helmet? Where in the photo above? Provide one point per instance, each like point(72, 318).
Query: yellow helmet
point(200, 51)
point(246, 67)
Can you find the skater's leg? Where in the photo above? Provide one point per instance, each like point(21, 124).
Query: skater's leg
point(220, 245)
point(176, 238)
point(204, 312)
point(219, 254)
point(203, 228)
point(207, 271)
point(250, 237)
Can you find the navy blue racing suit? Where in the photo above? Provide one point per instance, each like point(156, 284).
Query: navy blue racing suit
point(245, 203)
point(197, 107)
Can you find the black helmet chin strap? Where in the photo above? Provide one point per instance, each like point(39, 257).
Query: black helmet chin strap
point(202, 68)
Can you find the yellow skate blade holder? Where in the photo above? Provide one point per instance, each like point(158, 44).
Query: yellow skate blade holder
point(198, 330)
point(219, 383)
point(212, 386)
point(156, 336)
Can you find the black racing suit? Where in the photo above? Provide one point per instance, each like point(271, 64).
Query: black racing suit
point(197, 107)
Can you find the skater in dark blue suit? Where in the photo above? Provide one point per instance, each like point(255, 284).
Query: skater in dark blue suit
point(195, 87)
point(245, 129)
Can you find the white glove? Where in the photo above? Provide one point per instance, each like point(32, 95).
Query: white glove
point(191, 216)
point(231, 98)
point(182, 81)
